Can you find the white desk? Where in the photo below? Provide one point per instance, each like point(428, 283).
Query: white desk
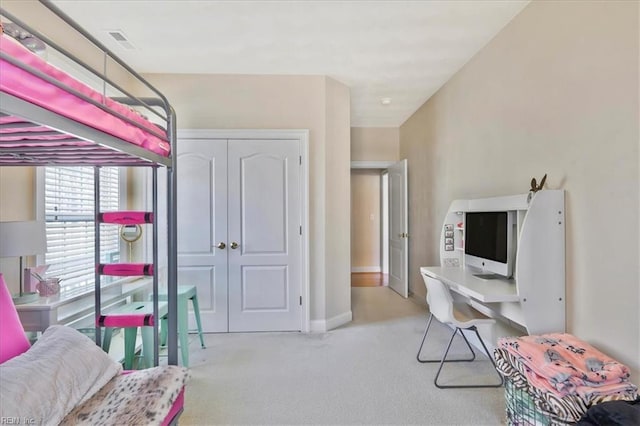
point(504, 300)
point(463, 281)
point(39, 315)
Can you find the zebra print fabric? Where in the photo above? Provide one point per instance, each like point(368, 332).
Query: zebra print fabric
point(560, 411)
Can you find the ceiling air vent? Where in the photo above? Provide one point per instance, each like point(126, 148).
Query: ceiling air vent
point(122, 40)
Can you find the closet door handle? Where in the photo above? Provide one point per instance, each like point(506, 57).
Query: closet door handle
point(234, 245)
point(221, 245)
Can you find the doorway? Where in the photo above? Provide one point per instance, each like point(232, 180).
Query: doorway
point(378, 208)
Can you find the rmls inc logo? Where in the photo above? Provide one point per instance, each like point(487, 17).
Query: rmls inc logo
point(17, 421)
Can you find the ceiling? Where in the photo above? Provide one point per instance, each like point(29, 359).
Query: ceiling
point(401, 50)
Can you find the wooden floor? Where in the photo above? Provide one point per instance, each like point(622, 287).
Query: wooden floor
point(369, 279)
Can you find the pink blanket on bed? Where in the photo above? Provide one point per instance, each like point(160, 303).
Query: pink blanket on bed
point(24, 85)
point(562, 364)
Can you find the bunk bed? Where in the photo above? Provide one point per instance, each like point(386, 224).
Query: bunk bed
point(49, 118)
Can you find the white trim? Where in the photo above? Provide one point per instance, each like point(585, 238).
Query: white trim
point(301, 135)
point(39, 194)
point(372, 164)
point(306, 291)
point(339, 320)
point(360, 269)
point(295, 134)
point(39, 203)
point(123, 204)
point(322, 326)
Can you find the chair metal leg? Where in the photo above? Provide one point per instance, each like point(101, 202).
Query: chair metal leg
point(486, 351)
point(130, 334)
point(164, 326)
point(473, 354)
point(435, 381)
point(106, 338)
point(196, 311)
point(423, 338)
point(148, 349)
point(183, 330)
point(468, 345)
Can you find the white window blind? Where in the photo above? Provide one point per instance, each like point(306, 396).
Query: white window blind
point(69, 215)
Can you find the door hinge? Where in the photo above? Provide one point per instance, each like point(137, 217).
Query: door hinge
point(300, 160)
point(300, 300)
point(300, 229)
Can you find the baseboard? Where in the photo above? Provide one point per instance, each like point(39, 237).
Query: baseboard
point(317, 326)
point(418, 300)
point(320, 326)
point(360, 269)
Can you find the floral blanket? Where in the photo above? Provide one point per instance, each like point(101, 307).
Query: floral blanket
point(564, 365)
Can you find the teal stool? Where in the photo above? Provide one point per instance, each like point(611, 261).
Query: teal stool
point(131, 333)
point(185, 293)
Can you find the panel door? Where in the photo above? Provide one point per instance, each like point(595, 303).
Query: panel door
point(264, 235)
point(202, 226)
point(398, 229)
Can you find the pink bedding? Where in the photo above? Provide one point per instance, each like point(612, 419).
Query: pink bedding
point(564, 365)
point(24, 85)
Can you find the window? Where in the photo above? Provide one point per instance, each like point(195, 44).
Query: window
point(69, 215)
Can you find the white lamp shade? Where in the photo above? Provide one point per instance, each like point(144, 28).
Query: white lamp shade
point(22, 238)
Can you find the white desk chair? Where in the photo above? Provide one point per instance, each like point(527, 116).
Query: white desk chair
point(441, 306)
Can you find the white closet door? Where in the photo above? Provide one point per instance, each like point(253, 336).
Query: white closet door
point(202, 226)
point(264, 223)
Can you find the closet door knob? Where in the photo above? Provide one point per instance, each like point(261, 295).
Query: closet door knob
point(221, 245)
point(234, 245)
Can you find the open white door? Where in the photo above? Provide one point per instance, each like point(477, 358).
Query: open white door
point(398, 229)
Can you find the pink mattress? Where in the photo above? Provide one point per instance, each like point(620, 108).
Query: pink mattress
point(31, 88)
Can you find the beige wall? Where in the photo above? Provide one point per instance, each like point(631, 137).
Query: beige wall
point(365, 218)
point(338, 200)
point(317, 103)
point(375, 144)
point(17, 203)
point(559, 98)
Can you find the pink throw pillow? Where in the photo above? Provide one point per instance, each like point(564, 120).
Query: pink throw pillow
point(13, 341)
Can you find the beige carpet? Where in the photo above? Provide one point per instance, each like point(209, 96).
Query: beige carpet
point(362, 373)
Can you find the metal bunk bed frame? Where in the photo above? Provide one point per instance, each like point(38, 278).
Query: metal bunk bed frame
point(107, 150)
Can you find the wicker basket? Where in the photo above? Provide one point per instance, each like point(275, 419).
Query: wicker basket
point(522, 410)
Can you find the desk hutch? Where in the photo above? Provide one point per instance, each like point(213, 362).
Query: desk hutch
point(533, 301)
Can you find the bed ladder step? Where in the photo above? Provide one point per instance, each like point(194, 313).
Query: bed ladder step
point(126, 217)
point(125, 269)
point(129, 317)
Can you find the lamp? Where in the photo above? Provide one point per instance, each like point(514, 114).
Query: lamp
point(19, 239)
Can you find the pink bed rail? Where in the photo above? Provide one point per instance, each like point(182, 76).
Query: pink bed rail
point(176, 409)
point(29, 87)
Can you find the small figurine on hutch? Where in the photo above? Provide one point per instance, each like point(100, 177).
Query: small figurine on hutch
point(535, 187)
